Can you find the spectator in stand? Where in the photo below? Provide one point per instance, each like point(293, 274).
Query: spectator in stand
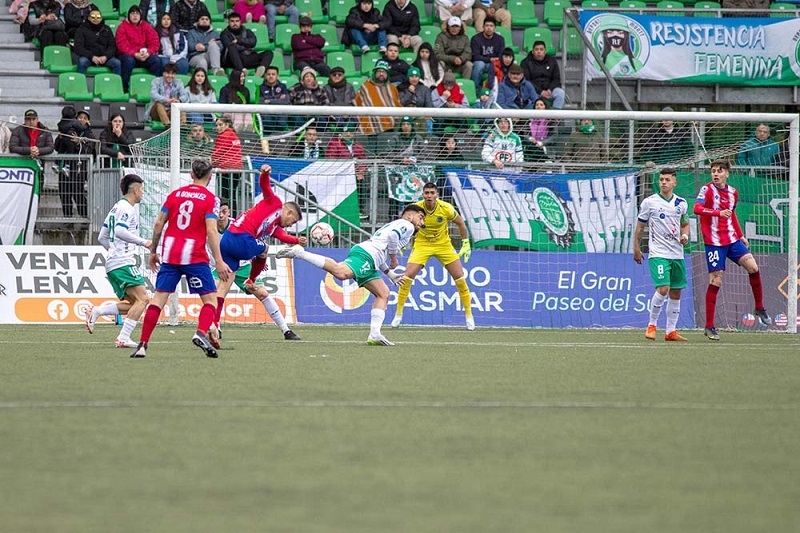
point(31, 139)
point(174, 48)
point(95, 44)
point(307, 49)
point(200, 91)
point(235, 92)
point(430, 67)
point(47, 21)
point(449, 149)
point(308, 92)
point(586, 144)
point(665, 142)
point(310, 146)
point(402, 24)
point(251, 11)
point(280, 7)
point(345, 146)
point(239, 43)
point(273, 92)
point(449, 94)
point(535, 149)
point(516, 92)
point(186, 13)
point(758, 151)
point(75, 14)
point(501, 67)
point(486, 49)
point(5, 137)
point(227, 155)
point(413, 92)
point(494, 9)
point(502, 146)
point(338, 90)
point(453, 48)
point(484, 101)
point(365, 26)
point(205, 47)
point(137, 46)
point(377, 92)
point(152, 10)
point(197, 143)
point(115, 140)
point(541, 69)
point(398, 68)
point(164, 92)
point(404, 146)
point(72, 173)
point(454, 8)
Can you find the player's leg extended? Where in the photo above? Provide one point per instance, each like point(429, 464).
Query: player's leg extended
point(167, 277)
point(748, 262)
point(412, 269)
point(262, 294)
point(137, 295)
point(120, 279)
point(380, 291)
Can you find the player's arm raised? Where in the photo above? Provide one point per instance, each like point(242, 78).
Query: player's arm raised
point(158, 229)
point(637, 239)
point(265, 183)
point(212, 238)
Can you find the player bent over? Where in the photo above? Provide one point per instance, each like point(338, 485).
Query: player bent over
point(246, 240)
point(433, 240)
point(120, 237)
point(365, 262)
point(666, 214)
point(242, 281)
point(188, 219)
point(715, 205)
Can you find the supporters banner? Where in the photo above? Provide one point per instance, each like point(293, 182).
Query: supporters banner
point(55, 284)
point(731, 51)
point(405, 182)
point(19, 199)
point(547, 212)
point(331, 184)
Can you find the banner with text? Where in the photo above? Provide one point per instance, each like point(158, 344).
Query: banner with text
point(547, 212)
point(730, 51)
point(19, 199)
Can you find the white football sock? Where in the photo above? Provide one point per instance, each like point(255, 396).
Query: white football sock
point(128, 325)
point(274, 312)
point(656, 302)
point(673, 312)
point(108, 308)
point(376, 317)
point(315, 259)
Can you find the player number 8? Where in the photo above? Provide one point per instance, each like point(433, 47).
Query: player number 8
point(185, 215)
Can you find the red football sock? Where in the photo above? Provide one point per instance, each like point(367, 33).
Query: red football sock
point(256, 267)
point(150, 321)
point(205, 318)
point(711, 304)
point(218, 311)
point(758, 290)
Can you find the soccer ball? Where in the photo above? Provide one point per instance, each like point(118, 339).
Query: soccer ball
point(322, 234)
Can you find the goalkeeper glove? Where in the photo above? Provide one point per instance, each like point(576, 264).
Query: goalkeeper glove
point(465, 251)
point(394, 276)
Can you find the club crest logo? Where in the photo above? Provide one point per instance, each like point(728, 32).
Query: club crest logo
point(621, 42)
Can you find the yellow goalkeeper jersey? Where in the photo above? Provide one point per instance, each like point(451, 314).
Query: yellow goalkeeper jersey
point(437, 222)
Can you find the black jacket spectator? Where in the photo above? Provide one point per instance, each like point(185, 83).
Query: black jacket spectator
point(356, 19)
point(542, 74)
point(184, 14)
point(75, 13)
point(398, 70)
point(401, 21)
point(94, 40)
point(20, 142)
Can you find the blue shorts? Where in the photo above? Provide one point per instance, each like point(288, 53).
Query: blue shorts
point(198, 278)
point(237, 247)
point(716, 255)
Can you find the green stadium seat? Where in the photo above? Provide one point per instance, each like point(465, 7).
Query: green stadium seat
point(357, 82)
point(185, 78)
point(57, 59)
point(312, 9)
point(283, 36)
point(290, 80)
point(217, 82)
point(72, 86)
point(408, 57)
point(428, 33)
point(782, 10)
point(541, 33)
point(594, 4)
point(252, 83)
point(709, 9)
point(94, 70)
point(670, 8)
point(633, 4)
point(343, 59)
point(507, 36)
point(553, 14)
point(574, 42)
point(470, 31)
point(328, 31)
point(262, 36)
point(524, 13)
point(113, 24)
point(338, 10)
point(124, 6)
point(469, 90)
point(368, 61)
point(108, 88)
point(140, 87)
point(277, 61)
point(213, 10)
point(106, 8)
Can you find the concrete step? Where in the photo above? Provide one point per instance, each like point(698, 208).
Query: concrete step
point(49, 109)
point(25, 92)
point(10, 38)
point(32, 83)
point(12, 57)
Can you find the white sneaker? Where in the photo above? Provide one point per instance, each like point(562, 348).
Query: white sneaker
point(364, 49)
point(91, 319)
point(397, 320)
point(260, 71)
point(470, 323)
point(125, 343)
point(290, 252)
point(219, 72)
point(379, 340)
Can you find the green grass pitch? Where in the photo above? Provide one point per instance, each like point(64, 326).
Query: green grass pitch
point(495, 430)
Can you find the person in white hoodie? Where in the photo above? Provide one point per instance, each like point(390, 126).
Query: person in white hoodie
point(502, 146)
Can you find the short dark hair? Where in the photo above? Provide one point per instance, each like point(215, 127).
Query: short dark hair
point(670, 171)
point(170, 67)
point(393, 44)
point(223, 202)
point(272, 67)
point(535, 43)
point(128, 180)
point(295, 208)
point(201, 167)
point(430, 185)
point(490, 20)
point(413, 208)
point(722, 163)
point(234, 15)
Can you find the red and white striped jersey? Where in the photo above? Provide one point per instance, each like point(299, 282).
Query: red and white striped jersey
point(717, 230)
point(187, 209)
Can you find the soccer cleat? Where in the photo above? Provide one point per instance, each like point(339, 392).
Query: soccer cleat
point(90, 318)
point(712, 334)
point(290, 335)
point(763, 316)
point(397, 320)
point(125, 343)
point(140, 351)
point(201, 342)
point(470, 323)
point(380, 340)
point(650, 334)
point(290, 252)
point(674, 336)
point(213, 337)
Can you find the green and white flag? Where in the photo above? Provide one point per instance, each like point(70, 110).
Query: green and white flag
point(405, 182)
point(20, 180)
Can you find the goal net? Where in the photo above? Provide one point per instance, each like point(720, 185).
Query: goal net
point(550, 199)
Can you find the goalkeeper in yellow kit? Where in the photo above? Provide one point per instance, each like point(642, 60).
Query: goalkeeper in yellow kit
point(433, 240)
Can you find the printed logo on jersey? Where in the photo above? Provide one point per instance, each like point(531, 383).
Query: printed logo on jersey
point(504, 157)
point(344, 297)
point(551, 210)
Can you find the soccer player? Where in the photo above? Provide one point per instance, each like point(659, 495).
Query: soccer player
point(666, 214)
point(433, 240)
point(188, 219)
point(120, 237)
point(246, 240)
point(366, 260)
point(257, 289)
point(723, 237)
